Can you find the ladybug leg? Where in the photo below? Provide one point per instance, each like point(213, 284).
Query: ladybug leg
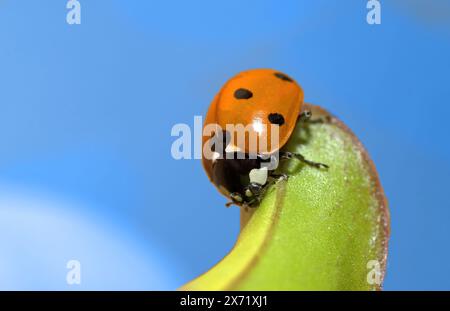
point(278, 177)
point(306, 115)
point(290, 155)
point(228, 204)
point(254, 202)
point(236, 198)
point(273, 179)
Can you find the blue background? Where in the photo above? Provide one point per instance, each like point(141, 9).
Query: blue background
point(86, 113)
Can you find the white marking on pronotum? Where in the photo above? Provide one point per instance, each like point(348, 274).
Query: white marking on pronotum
point(258, 175)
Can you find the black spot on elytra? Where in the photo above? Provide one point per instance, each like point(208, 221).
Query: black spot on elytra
point(283, 77)
point(243, 94)
point(276, 118)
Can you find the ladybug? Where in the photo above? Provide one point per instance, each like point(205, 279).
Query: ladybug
point(266, 103)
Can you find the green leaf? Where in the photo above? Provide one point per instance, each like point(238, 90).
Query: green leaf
point(319, 230)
